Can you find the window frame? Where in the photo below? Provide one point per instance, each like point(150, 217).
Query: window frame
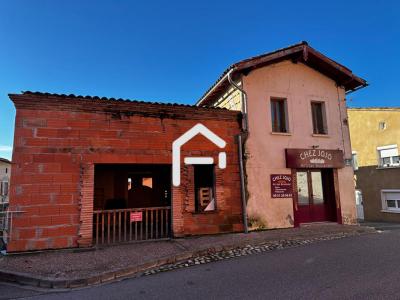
point(385, 207)
point(4, 188)
point(382, 125)
point(391, 164)
point(323, 116)
point(354, 160)
point(213, 188)
point(285, 114)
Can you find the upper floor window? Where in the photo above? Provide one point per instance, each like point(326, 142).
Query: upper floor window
point(319, 118)
point(279, 118)
point(388, 156)
point(4, 188)
point(382, 125)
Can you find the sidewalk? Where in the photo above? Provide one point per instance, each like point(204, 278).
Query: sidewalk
point(76, 268)
point(381, 225)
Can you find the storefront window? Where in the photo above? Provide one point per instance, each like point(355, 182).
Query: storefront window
point(317, 191)
point(302, 188)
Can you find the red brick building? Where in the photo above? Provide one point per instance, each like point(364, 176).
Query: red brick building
point(90, 170)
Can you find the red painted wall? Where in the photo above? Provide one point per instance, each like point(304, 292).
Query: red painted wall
point(58, 139)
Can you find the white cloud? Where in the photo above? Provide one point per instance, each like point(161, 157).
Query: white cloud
point(4, 148)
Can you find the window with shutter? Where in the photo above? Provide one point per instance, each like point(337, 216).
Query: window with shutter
point(388, 156)
point(319, 118)
point(279, 118)
point(391, 200)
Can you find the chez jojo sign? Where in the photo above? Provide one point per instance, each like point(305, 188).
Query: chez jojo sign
point(314, 158)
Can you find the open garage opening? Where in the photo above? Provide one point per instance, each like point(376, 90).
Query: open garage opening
point(132, 202)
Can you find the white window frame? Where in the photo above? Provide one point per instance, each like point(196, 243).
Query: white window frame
point(385, 208)
point(354, 162)
point(380, 159)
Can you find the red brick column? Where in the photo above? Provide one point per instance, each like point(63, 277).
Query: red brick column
point(86, 205)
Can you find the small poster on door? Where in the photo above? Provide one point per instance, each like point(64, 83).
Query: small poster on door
point(281, 186)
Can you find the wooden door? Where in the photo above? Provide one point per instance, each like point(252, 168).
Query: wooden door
point(312, 203)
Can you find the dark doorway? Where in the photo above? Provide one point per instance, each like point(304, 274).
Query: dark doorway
point(131, 202)
point(204, 186)
point(314, 196)
point(132, 186)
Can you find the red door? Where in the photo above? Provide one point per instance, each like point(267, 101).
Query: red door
point(312, 202)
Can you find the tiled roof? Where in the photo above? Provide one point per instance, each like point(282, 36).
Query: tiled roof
point(290, 52)
point(97, 98)
point(5, 160)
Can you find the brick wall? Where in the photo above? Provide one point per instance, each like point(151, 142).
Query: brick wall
point(59, 139)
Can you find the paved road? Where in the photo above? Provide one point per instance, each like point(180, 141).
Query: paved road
point(366, 267)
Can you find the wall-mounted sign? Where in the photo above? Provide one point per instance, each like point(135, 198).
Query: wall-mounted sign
point(281, 186)
point(314, 158)
point(136, 216)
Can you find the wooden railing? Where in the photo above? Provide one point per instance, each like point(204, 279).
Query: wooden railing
point(131, 224)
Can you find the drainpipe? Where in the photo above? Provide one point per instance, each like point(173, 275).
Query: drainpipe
point(242, 183)
point(240, 149)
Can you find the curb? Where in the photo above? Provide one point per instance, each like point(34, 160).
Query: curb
point(129, 272)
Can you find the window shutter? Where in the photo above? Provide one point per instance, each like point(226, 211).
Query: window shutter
point(392, 196)
point(389, 152)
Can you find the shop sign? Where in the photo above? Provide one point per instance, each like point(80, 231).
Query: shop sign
point(314, 158)
point(281, 186)
point(136, 216)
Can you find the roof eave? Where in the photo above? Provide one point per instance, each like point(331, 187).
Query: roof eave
point(301, 52)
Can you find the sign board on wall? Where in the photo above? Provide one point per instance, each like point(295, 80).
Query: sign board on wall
point(136, 216)
point(314, 158)
point(281, 186)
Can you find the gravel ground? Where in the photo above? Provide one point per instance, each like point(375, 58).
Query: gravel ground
point(79, 264)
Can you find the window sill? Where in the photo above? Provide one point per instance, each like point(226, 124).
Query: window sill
point(390, 211)
point(320, 135)
point(210, 212)
point(281, 133)
point(391, 167)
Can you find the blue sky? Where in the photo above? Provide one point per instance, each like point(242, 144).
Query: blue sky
point(173, 51)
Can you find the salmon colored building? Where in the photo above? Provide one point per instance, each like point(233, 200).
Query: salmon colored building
point(90, 171)
point(297, 150)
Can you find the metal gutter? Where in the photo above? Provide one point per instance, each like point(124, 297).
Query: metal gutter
point(213, 88)
point(356, 89)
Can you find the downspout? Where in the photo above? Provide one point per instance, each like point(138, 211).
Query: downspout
point(241, 138)
point(242, 183)
point(244, 103)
